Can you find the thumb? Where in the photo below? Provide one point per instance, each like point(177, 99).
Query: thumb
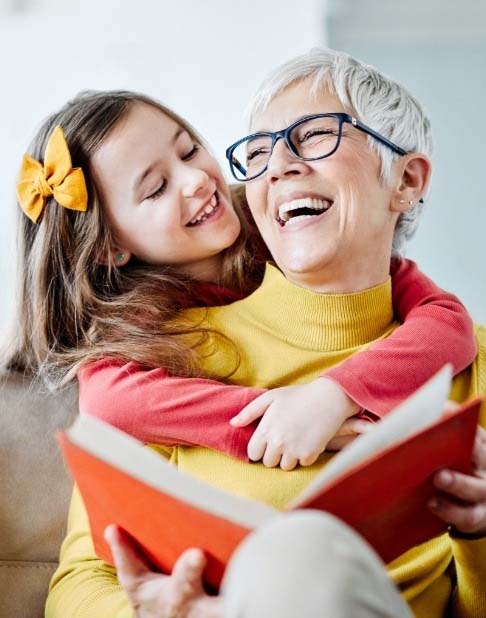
point(128, 563)
point(354, 426)
point(188, 570)
point(450, 407)
point(255, 409)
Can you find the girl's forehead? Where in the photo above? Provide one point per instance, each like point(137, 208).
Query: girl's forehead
point(144, 132)
point(143, 120)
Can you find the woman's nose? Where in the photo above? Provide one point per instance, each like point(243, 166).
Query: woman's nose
point(283, 163)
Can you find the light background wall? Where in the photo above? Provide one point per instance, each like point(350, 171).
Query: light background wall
point(205, 59)
point(437, 48)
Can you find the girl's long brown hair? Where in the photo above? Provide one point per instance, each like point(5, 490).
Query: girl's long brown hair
point(73, 308)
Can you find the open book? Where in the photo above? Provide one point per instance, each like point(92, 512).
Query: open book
point(379, 485)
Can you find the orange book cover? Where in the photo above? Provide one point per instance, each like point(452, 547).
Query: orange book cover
point(379, 485)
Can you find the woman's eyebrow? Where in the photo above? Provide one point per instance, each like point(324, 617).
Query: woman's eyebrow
point(138, 181)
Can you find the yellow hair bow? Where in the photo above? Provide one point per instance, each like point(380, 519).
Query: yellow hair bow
point(57, 177)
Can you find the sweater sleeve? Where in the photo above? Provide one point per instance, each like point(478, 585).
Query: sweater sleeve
point(83, 585)
point(469, 599)
point(436, 330)
point(158, 408)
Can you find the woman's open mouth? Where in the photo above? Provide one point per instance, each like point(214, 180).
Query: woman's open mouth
point(300, 209)
point(207, 212)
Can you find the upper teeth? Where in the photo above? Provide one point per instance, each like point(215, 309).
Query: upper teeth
point(205, 211)
point(311, 203)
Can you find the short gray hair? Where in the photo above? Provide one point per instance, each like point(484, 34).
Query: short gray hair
point(378, 101)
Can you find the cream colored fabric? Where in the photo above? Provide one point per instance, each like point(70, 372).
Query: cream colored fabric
point(35, 489)
point(308, 563)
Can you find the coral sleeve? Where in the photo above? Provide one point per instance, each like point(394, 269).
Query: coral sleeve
point(436, 330)
point(159, 408)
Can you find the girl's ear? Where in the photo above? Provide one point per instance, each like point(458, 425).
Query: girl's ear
point(119, 256)
point(414, 174)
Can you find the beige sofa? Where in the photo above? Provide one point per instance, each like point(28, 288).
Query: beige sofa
point(35, 489)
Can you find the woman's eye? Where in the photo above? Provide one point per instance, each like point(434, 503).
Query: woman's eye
point(158, 192)
point(194, 150)
point(256, 153)
point(316, 133)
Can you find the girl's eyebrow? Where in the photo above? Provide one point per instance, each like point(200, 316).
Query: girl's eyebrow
point(143, 175)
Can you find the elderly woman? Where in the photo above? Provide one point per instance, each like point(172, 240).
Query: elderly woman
point(335, 166)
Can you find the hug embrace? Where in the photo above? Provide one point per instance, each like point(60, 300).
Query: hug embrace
point(247, 333)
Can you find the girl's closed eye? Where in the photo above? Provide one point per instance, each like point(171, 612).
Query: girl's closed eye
point(192, 153)
point(158, 192)
point(186, 157)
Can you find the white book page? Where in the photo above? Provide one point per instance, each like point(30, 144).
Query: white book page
point(131, 456)
point(423, 408)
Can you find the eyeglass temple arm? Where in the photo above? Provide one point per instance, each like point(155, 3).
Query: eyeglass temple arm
point(237, 164)
point(362, 127)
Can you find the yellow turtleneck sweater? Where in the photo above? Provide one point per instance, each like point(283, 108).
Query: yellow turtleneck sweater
point(285, 335)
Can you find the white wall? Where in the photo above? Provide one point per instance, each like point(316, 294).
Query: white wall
point(437, 48)
point(202, 58)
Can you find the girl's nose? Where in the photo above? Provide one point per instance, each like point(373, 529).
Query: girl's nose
point(194, 182)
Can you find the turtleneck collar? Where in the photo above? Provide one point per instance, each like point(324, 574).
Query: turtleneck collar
point(316, 321)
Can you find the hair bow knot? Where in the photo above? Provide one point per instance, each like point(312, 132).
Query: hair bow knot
point(55, 178)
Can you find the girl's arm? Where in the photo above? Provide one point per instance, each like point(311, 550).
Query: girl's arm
point(162, 409)
point(436, 330)
point(159, 408)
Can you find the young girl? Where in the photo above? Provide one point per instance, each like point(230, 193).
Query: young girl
point(129, 221)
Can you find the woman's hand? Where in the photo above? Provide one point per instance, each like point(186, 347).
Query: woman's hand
point(299, 422)
point(462, 499)
point(153, 595)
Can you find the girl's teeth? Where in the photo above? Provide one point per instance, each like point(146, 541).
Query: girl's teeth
point(209, 209)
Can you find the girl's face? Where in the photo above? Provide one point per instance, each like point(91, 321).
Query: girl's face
point(165, 195)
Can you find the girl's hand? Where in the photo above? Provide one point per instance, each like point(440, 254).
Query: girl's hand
point(462, 498)
point(349, 431)
point(153, 595)
point(298, 423)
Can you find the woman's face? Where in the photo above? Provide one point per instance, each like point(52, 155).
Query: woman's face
point(164, 194)
point(345, 246)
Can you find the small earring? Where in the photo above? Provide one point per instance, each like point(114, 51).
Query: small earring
point(120, 257)
point(410, 202)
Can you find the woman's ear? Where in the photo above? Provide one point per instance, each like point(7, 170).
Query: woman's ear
point(414, 171)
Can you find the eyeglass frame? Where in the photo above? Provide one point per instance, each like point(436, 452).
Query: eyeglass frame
point(285, 133)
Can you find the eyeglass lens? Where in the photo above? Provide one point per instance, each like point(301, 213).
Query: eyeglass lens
point(311, 139)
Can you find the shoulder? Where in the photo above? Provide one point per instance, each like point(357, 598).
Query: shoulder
point(210, 316)
point(106, 366)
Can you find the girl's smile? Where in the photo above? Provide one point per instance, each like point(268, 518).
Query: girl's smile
point(164, 194)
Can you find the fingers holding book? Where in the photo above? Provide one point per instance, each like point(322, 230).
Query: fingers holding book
point(154, 595)
point(462, 499)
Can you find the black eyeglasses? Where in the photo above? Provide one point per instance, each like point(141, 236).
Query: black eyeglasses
point(310, 139)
